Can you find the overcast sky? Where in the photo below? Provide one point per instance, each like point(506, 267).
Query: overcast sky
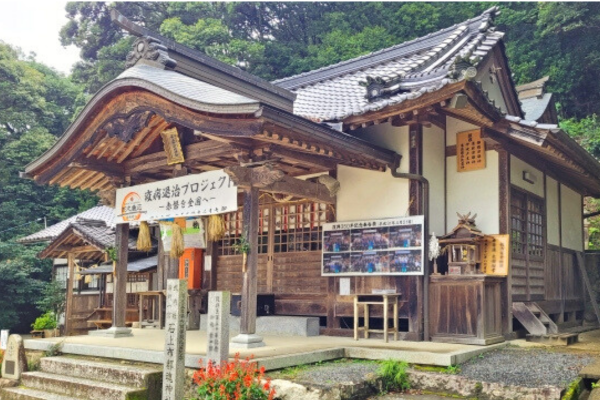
point(34, 26)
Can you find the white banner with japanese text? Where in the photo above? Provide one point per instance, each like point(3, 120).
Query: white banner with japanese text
point(207, 193)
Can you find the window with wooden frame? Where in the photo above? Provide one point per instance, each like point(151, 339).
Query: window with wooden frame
point(293, 226)
point(527, 225)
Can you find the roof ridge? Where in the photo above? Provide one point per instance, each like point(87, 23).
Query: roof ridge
point(483, 19)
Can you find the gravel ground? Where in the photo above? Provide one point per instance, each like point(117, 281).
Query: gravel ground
point(532, 367)
point(334, 373)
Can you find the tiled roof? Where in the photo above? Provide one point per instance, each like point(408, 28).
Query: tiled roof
point(534, 107)
point(407, 71)
point(191, 92)
point(99, 213)
point(141, 265)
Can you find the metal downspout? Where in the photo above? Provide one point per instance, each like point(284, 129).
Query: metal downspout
point(425, 207)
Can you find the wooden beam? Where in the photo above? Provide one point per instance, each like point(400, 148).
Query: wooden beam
point(278, 182)
point(310, 160)
point(107, 168)
point(193, 153)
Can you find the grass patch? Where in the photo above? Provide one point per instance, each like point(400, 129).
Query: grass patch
point(393, 375)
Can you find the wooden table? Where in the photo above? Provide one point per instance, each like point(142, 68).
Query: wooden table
point(153, 295)
point(384, 300)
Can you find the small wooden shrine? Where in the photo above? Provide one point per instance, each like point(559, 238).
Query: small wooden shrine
point(462, 246)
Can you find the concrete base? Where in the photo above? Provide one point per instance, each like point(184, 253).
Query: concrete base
point(279, 325)
point(112, 332)
point(247, 341)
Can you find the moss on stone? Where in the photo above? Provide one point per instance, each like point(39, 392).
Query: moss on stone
point(573, 391)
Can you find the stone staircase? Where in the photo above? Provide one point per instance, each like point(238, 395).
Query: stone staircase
point(69, 378)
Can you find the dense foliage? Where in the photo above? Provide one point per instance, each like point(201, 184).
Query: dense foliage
point(36, 106)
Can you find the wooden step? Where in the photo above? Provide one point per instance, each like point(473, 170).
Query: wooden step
point(563, 339)
point(529, 321)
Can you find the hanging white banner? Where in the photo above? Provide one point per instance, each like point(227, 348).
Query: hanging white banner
point(207, 193)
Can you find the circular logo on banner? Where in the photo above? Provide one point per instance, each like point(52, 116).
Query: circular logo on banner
point(131, 208)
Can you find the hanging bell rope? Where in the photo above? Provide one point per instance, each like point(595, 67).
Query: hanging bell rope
point(144, 241)
point(216, 227)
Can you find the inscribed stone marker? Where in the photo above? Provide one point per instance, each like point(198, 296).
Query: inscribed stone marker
point(217, 348)
point(14, 362)
point(174, 365)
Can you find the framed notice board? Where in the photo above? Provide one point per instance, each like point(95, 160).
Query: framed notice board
point(375, 247)
point(470, 151)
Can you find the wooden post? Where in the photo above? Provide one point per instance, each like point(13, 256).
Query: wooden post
point(250, 285)
point(504, 223)
point(247, 337)
point(160, 268)
point(120, 279)
point(70, 280)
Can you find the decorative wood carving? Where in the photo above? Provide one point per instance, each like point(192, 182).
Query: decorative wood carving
point(150, 50)
point(124, 126)
point(108, 197)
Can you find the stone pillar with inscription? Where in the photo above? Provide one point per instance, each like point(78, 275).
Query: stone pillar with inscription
point(175, 330)
point(14, 362)
point(217, 348)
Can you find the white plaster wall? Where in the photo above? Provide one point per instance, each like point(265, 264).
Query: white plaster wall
point(552, 212)
point(434, 169)
point(368, 194)
point(572, 223)
point(493, 88)
point(517, 166)
point(454, 126)
point(474, 191)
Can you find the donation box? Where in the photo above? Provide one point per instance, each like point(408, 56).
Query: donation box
point(190, 267)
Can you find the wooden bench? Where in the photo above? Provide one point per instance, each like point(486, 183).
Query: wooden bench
point(101, 318)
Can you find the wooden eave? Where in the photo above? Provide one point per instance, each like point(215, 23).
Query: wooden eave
point(72, 241)
point(88, 157)
point(551, 151)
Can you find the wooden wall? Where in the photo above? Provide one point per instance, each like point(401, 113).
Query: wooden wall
point(83, 306)
point(299, 288)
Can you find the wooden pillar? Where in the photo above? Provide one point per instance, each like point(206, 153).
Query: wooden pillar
point(160, 267)
point(250, 284)
point(70, 280)
point(504, 224)
point(415, 138)
point(120, 278)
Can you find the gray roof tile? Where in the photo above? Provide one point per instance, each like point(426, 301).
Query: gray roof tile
point(99, 213)
point(334, 92)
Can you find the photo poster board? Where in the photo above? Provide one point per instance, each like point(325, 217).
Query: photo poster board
point(391, 246)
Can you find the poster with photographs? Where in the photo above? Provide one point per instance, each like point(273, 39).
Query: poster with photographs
point(377, 247)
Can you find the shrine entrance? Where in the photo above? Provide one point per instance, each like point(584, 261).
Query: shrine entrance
point(289, 254)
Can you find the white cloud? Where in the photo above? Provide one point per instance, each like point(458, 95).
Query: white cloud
point(34, 26)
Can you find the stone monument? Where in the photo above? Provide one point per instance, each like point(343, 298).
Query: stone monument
point(175, 329)
point(14, 362)
point(217, 330)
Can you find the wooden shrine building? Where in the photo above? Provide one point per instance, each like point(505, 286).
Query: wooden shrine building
point(429, 128)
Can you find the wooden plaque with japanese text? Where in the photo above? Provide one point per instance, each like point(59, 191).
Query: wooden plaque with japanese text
point(470, 151)
point(494, 255)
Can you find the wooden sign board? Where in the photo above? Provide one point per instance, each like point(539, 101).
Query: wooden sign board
point(470, 151)
point(172, 146)
point(495, 256)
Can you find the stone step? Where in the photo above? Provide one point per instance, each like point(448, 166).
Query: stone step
point(80, 388)
point(23, 393)
point(127, 375)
